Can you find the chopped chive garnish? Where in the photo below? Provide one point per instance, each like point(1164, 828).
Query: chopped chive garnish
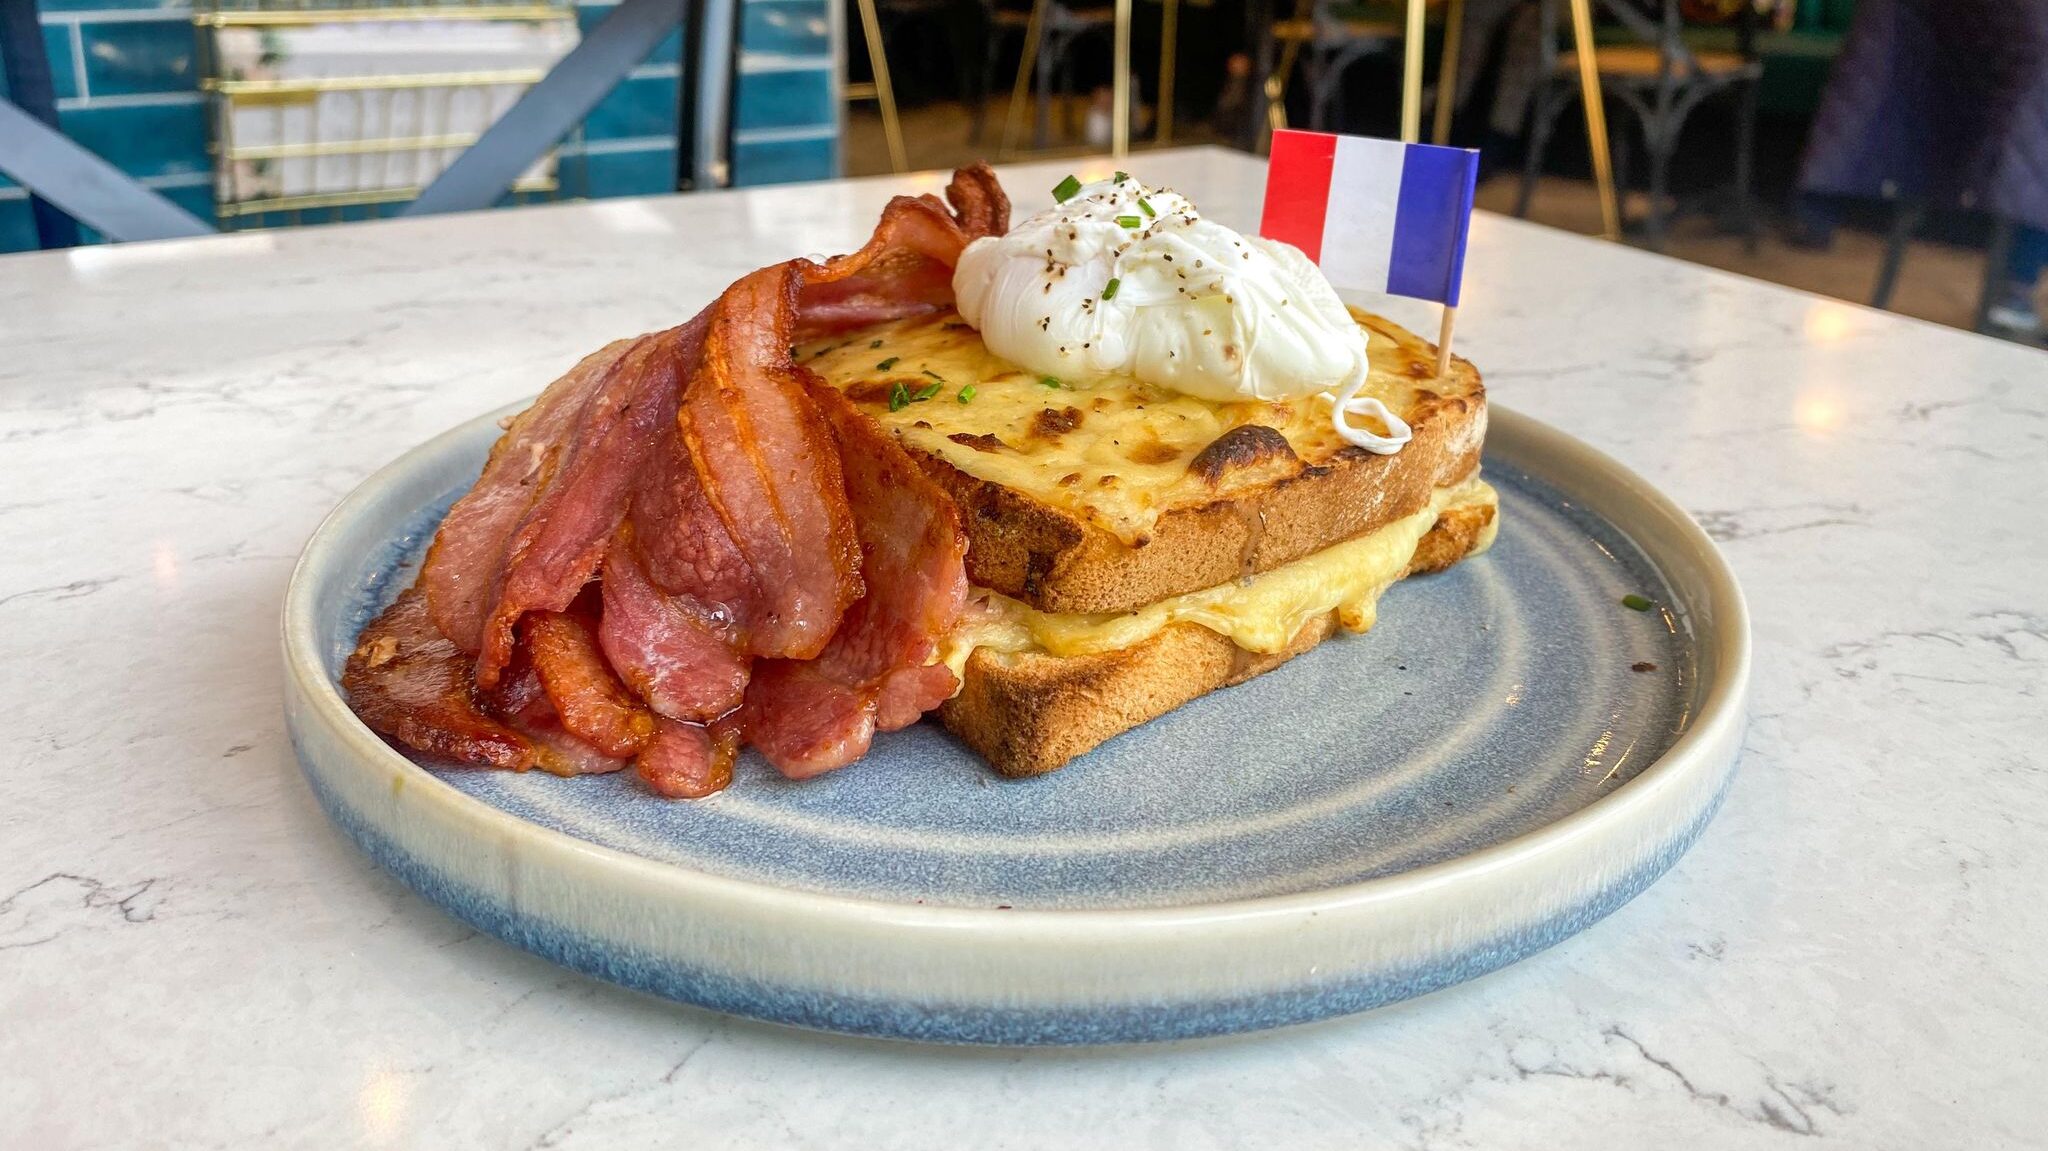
point(875, 344)
point(1065, 189)
point(1120, 177)
point(966, 395)
point(899, 398)
point(885, 365)
point(1109, 289)
point(1146, 206)
point(1635, 603)
point(924, 393)
point(935, 375)
point(1049, 381)
point(1129, 221)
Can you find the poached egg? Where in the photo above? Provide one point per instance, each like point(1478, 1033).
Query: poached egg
point(1121, 279)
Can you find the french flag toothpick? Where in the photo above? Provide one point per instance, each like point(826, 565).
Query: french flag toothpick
point(1376, 215)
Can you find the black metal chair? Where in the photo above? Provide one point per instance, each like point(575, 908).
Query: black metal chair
point(1322, 39)
point(1334, 37)
point(1061, 28)
point(1907, 216)
point(1662, 81)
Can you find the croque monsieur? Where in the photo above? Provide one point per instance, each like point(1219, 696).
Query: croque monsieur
point(1049, 481)
point(1132, 549)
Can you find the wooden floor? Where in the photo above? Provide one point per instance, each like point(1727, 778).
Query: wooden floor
point(1940, 281)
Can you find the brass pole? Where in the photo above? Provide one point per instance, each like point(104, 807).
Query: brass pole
point(1019, 91)
point(1447, 72)
point(1169, 56)
point(1120, 84)
point(1411, 74)
point(1596, 118)
point(878, 62)
point(1276, 84)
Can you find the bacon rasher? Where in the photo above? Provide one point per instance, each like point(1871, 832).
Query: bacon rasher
point(773, 567)
point(810, 716)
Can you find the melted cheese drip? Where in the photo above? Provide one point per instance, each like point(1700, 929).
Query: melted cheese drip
point(1124, 463)
point(1262, 614)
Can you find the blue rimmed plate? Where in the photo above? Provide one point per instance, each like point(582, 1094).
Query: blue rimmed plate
point(1509, 755)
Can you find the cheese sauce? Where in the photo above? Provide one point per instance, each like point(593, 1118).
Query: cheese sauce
point(1261, 614)
point(1112, 450)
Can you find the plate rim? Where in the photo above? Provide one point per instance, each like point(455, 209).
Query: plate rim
point(1721, 708)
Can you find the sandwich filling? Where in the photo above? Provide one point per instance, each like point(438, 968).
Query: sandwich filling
point(1261, 614)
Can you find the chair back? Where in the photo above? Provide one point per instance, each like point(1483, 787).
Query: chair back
point(1659, 24)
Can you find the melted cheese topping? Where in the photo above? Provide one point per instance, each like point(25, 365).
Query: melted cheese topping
point(1262, 614)
point(1112, 450)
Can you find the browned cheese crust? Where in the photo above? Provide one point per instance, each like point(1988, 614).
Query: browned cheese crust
point(1056, 561)
point(1029, 713)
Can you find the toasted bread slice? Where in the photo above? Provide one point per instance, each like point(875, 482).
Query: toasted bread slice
point(1106, 498)
point(1030, 712)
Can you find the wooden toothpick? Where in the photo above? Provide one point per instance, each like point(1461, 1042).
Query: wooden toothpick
point(1443, 343)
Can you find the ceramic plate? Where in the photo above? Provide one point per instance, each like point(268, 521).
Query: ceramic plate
point(1508, 756)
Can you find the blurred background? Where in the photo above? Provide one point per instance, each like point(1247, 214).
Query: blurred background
point(1885, 151)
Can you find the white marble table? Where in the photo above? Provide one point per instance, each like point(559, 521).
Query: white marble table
point(190, 953)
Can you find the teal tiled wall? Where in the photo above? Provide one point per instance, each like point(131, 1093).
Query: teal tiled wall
point(643, 105)
point(63, 68)
point(152, 138)
point(787, 114)
point(17, 228)
point(765, 160)
point(784, 96)
point(787, 27)
point(786, 120)
point(127, 87)
point(138, 56)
